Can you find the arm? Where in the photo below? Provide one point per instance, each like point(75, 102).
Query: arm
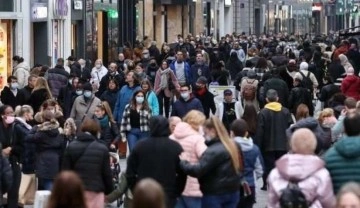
point(212, 105)
point(259, 170)
point(131, 171)
point(199, 106)
point(260, 132)
point(124, 122)
point(154, 104)
point(73, 110)
point(106, 173)
point(121, 189)
point(314, 80)
point(338, 128)
point(200, 147)
point(21, 77)
point(157, 82)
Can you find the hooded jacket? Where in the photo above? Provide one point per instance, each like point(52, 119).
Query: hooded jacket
point(343, 161)
point(157, 158)
point(22, 73)
point(194, 146)
point(57, 79)
point(345, 62)
point(181, 107)
point(350, 86)
point(309, 173)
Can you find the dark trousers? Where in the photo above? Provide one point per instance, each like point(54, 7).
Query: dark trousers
point(164, 102)
point(270, 157)
point(247, 201)
point(13, 194)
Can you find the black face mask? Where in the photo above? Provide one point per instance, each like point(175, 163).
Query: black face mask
point(153, 64)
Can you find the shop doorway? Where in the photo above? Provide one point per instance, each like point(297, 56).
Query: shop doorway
point(40, 43)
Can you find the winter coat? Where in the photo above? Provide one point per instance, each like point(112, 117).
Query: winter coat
point(109, 133)
point(350, 86)
point(8, 97)
point(97, 75)
point(57, 78)
point(37, 98)
point(171, 77)
point(6, 175)
point(345, 62)
point(234, 65)
point(214, 170)
point(22, 73)
point(300, 95)
point(48, 148)
point(10, 138)
point(327, 92)
point(66, 98)
point(239, 110)
point(187, 71)
point(27, 155)
point(161, 165)
point(194, 146)
point(343, 161)
point(181, 107)
point(90, 159)
point(197, 70)
point(341, 50)
point(80, 106)
point(239, 77)
point(75, 69)
point(104, 83)
point(26, 92)
point(207, 101)
point(240, 53)
point(110, 96)
point(311, 176)
point(354, 59)
point(311, 77)
point(280, 86)
point(253, 161)
point(123, 98)
point(272, 123)
point(153, 102)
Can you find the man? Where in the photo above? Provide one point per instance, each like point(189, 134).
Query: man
point(145, 58)
point(120, 62)
point(181, 69)
point(271, 138)
point(305, 74)
point(239, 52)
point(338, 129)
point(57, 78)
point(75, 67)
point(85, 72)
point(199, 69)
point(11, 95)
point(113, 73)
point(27, 90)
point(186, 103)
point(68, 94)
point(161, 165)
point(343, 159)
point(354, 56)
point(278, 84)
point(206, 98)
point(229, 110)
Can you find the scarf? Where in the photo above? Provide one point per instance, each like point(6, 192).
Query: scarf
point(104, 121)
point(164, 78)
point(24, 122)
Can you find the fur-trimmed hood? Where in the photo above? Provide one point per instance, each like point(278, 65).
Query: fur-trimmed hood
point(48, 126)
point(39, 117)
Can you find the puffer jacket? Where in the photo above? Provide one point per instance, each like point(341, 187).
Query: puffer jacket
point(276, 83)
point(90, 159)
point(350, 86)
point(57, 79)
point(300, 95)
point(345, 62)
point(48, 148)
point(22, 73)
point(27, 155)
point(214, 170)
point(194, 146)
point(311, 176)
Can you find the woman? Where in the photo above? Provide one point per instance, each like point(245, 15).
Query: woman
point(250, 116)
point(149, 194)
point(12, 148)
point(97, 73)
point(109, 129)
point(219, 168)
point(314, 180)
point(21, 71)
point(48, 145)
point(150, 96)
point(90, 159)
point(165, 82)
point(188, 134)
point(139, 71)
point(40, 93)
point(349, 196)
point(69, 132)
point(300, 95)
point(110, 95)
point(68, 191)
point(53, 106)
point(302, 112)
point(135, 120)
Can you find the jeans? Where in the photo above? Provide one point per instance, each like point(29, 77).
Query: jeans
point(13, 194)
point(188, 202)
point(164, 103)
point(134, 136)
point(45, 184)
point(221, 201)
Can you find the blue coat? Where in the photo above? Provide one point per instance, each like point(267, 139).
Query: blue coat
point(181, 107)
point(153, 103)
point(195, 73)
point(188, 76)
point(123, 99)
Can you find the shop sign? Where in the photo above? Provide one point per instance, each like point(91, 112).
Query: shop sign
point(39, 12)
point(61, 9)
point(78, 5)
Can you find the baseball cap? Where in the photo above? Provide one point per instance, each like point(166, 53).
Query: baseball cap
point(227, 92)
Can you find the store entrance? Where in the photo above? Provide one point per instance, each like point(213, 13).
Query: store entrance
point(40, 43)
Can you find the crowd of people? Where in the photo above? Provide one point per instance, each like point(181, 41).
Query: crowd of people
point(292, 121)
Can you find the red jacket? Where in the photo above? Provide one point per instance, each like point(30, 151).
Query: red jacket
point(350, 86)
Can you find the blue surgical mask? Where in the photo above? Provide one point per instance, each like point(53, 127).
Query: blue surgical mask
point(14, 85)
point(139, 100)
point(87, 93)
point(79, 92)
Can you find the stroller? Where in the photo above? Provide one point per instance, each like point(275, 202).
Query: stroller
point(115, 170)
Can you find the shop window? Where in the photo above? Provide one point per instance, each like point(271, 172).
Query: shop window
point(5, 51)
point(6, 5)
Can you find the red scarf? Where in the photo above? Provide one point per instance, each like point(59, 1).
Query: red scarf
point(201, 91)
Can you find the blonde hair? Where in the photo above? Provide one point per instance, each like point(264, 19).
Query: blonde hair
point(303, 141)
point(21, 110)
point(41, 83)
point(215, 123)
point(327, 112)
point(195, 119)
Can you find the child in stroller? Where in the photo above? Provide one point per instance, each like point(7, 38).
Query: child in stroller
point(115, 170)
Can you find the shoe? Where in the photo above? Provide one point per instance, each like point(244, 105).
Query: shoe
point(264, 188)
point(122, 156)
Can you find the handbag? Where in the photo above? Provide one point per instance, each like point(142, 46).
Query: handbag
point(27, 189)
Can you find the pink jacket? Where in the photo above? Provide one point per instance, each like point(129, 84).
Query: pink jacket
point(313, 179)
point(194, 146)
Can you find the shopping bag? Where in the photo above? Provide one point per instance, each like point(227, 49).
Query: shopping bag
point(41, 199)
point(27, 189)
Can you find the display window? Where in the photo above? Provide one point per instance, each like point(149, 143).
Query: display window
point(5, 51)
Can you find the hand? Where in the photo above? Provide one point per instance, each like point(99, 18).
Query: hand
point(112, 146)
point(6, 151)
point(343, 112)
point(123, 139)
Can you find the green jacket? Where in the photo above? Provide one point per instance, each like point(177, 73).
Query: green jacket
point(343, 161)
point(121, 189)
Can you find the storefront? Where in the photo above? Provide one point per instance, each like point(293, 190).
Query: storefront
point(39, 17)
point(5, 50)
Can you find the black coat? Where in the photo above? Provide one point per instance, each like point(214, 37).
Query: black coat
point(110, 96)
point(48, 149)
point(280, 86)
point(157, 157)
point(207, 101)
point(89, 158)
point(8, 138)
point(214, 170)
point(327, 92)
point(57, 79)
point(24, 155)
point(37, 98)
point(66, 99)
point(26, 92)
point(119, 77)
point(75, 69)
point(85, 74)
point(300, 95)
point(8, 98)
point(6, 175)
point(234, 66)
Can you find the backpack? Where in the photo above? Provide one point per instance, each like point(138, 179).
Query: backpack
point(293, 197)
point(249, 91)
point(308, 84)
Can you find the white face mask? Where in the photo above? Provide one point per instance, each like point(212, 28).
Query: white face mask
point(139, 100)
point(185, 95)
point(52, 111)
point(98, 66)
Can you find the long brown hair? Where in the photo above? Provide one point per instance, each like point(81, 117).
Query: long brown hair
point(149, 193)
point(250, 116)
point(214, 123)
point(302, 112)
point(41, 83)
point(68, 191)
point(104, 105)
point(145, 105)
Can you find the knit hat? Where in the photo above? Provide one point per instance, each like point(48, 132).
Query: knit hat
point(304, 66)
point(202, 80)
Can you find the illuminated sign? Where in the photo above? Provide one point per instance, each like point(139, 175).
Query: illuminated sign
point(39, 12)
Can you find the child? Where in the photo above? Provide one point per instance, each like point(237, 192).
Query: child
point(252, 159)
point(121, 189)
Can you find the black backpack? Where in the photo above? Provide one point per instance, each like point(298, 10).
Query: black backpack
point(293, 197)
point(307, 83)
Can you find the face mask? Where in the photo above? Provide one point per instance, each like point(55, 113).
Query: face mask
point(82, 66)
point(14, 86)
point(9, 119)
point(87, 94)
point(146, 56)
point(79, 92)
point(139, 100)
point(98, 66)
point(70, 81)
point(52, 111)
point(185, 95)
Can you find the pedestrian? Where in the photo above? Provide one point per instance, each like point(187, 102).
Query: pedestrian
point(313, 181)
point(97, 73)
point(11, 95)
point(188, 135)
point(206, 98)
point(250, 117)
point(161, 165)
point(40, 93)
point(89, 158)
point(7, 181)
point(57, 78)
point(21, 71)
point(300, 95)
point(328, 90)
point(349, 196)
point(219, 169)
point(150, 96)
point(248, 89)
point(173, 121)
point(199, 69)
point(149, 194)
point(275, 82)
point(68, 191)
point(234, 65)
point(185, 103)
point(112, 74)
point(181, 69)
point(53, 106)
point(140, 72)
point(350, 86)
point(75, 67)
point(68, 94)
point(111, 93)
point(26, 91)
point(85, 72)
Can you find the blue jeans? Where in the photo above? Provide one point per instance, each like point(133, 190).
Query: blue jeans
point(135, 135)
point(188, 202)
point(221, 201)
point(45, 184)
